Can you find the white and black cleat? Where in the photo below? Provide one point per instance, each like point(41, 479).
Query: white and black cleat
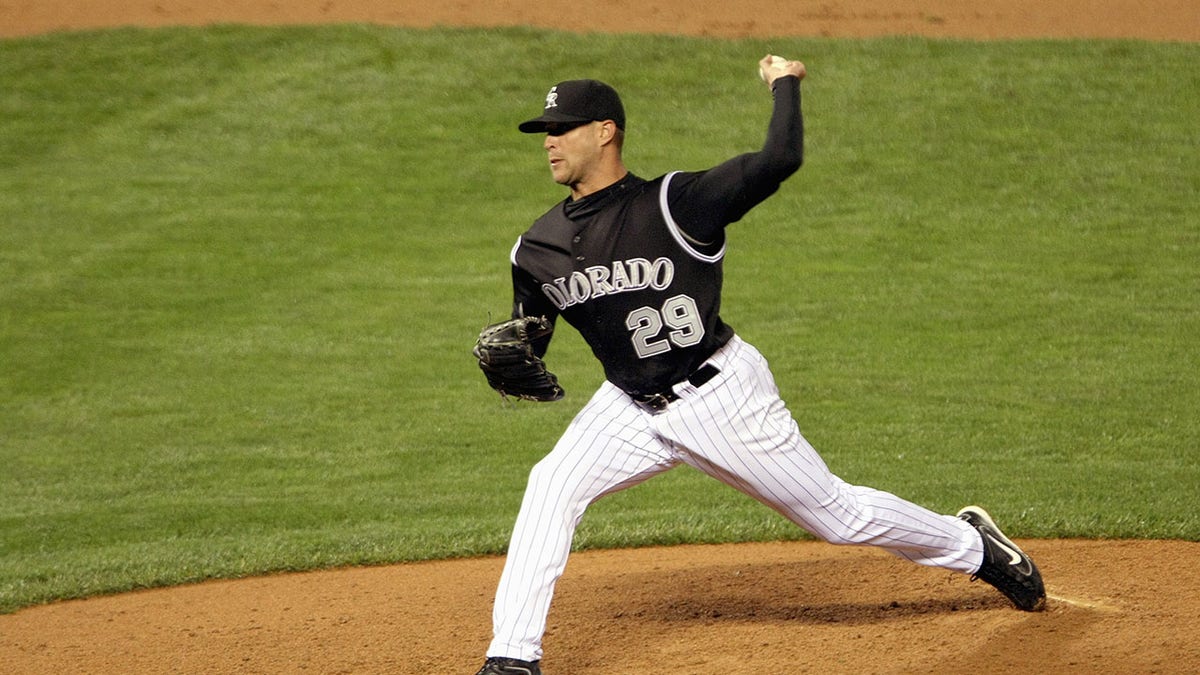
point(1005, 565)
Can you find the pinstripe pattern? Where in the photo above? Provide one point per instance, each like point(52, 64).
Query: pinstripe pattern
point(735, 428)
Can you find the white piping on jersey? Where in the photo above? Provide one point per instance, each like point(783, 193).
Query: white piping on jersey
point(512, 255)
point(677, 232)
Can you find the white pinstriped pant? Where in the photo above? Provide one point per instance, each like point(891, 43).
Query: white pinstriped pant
point(734, 428)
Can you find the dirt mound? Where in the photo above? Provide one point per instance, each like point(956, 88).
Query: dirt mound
point(1115, 606)
point(1127, 606)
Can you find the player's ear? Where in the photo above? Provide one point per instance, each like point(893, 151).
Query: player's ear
point(608, 132)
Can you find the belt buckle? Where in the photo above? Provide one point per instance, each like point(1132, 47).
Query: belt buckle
point(654, 403)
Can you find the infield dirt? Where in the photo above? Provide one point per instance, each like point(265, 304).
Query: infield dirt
point(1115, 606)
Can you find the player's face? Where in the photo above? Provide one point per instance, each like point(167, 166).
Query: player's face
point(573, 153)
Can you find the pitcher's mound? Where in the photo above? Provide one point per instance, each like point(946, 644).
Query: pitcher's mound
point(1115, 606)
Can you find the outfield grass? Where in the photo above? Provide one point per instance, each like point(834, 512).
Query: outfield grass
point(241, 271)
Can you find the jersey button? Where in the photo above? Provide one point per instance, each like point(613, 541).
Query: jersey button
point(577, 239)
point(579, 258)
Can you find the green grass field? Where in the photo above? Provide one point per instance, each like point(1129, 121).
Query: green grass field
point(241, 271)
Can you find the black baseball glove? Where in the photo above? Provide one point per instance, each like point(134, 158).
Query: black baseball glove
point(506, 357)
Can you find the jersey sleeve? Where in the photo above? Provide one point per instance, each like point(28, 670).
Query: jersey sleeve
point(703, 203)
point(529, 300)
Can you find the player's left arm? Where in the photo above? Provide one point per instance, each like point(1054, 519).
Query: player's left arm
point(529, 300)
point(704, 204)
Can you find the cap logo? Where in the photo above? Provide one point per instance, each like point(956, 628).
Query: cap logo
point(552, 98)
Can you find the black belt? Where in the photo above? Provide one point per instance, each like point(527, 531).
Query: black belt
point(656, 403)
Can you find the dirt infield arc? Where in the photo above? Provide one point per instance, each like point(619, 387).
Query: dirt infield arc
point(1115, 606)
point(1142, 19)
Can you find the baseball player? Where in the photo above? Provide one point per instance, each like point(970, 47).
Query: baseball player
point(635, 266)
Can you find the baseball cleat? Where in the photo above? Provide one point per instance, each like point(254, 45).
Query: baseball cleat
point(1005, 565)
point(496, 665)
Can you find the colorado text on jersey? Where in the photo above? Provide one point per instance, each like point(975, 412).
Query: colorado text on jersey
point(598, 281)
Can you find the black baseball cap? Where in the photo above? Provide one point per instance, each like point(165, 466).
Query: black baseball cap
point(575, 102)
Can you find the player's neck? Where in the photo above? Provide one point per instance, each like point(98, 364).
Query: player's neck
point(598, 181)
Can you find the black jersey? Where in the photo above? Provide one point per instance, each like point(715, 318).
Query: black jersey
point(636, 268)
point(622, 273)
